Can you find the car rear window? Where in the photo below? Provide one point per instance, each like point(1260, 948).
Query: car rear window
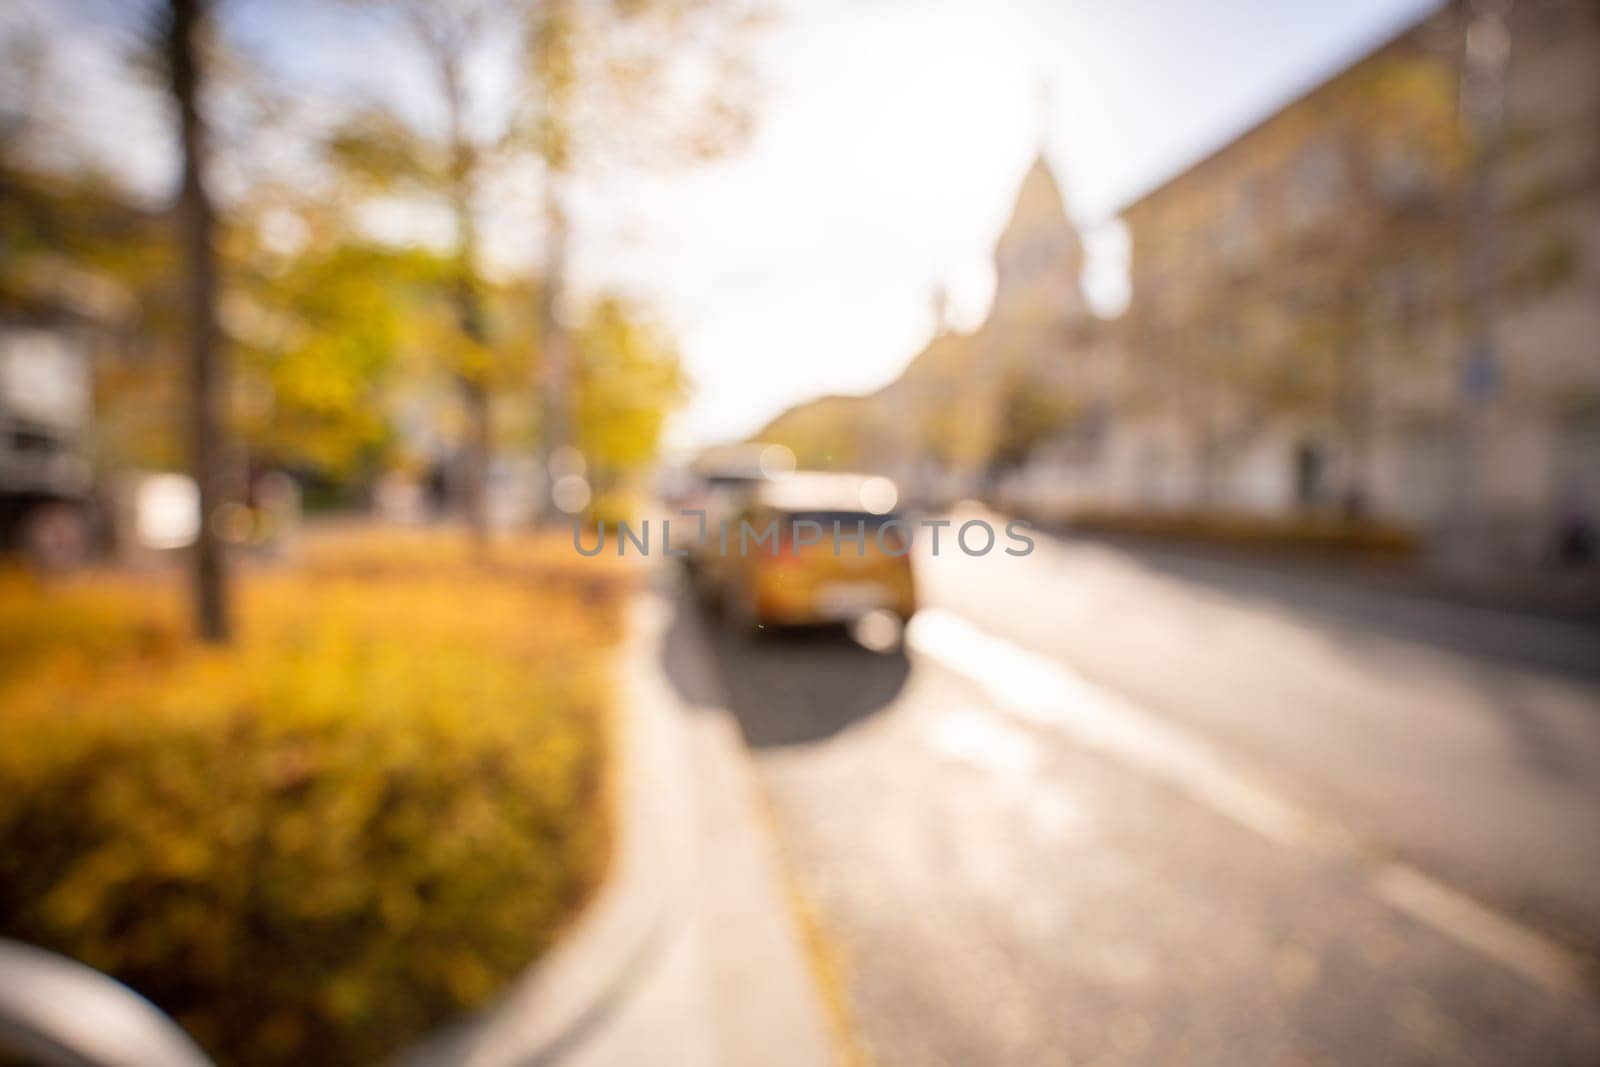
point(847, 519)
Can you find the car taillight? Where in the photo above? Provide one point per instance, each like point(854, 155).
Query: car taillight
point(787, 553)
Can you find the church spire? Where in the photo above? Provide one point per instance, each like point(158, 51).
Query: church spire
point(1039, 201)
point(1039, 257)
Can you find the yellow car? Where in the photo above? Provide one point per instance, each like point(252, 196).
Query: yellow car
point(816, 548)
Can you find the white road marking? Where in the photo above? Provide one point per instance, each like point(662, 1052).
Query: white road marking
point(1047, 693)
point(976, 737)
point(1512, 944)
point(1040, 690)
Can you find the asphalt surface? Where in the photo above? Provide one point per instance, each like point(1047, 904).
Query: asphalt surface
point(1113, 805)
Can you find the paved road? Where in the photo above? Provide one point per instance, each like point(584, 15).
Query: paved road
point(1127, 806)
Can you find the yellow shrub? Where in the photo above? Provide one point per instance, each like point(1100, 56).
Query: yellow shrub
point(360, 819)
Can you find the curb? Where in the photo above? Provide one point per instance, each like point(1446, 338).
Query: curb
point(689, 953)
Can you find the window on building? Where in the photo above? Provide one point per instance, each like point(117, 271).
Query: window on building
point(1317, 184)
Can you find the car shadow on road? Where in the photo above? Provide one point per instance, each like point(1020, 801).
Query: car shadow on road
point(785, 688)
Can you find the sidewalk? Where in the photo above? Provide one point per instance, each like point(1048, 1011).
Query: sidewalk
point(1539, 592)
point(690, 955)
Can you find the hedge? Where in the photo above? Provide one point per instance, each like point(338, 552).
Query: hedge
point(354, 824)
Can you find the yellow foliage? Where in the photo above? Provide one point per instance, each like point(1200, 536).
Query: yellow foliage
point(355, 823)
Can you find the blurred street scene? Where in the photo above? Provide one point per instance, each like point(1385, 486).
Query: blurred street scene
point(718, 532)
point(1346, 824)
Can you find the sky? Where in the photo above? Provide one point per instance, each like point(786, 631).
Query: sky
point(892, 137)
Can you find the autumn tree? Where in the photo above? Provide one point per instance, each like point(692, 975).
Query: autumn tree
point(447, 165)
point(650, 82)
point(331, 329)
point(640, 84)
point(628, 380)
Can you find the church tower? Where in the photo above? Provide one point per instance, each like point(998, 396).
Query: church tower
point(1039, 258)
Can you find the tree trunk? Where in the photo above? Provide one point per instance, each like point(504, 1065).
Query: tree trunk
point(554, 354)
point(477, 450)
point(206, 369)
point(478, 447)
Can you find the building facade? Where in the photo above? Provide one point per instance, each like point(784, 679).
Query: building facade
point(1384, 299)
point(1380, 302)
